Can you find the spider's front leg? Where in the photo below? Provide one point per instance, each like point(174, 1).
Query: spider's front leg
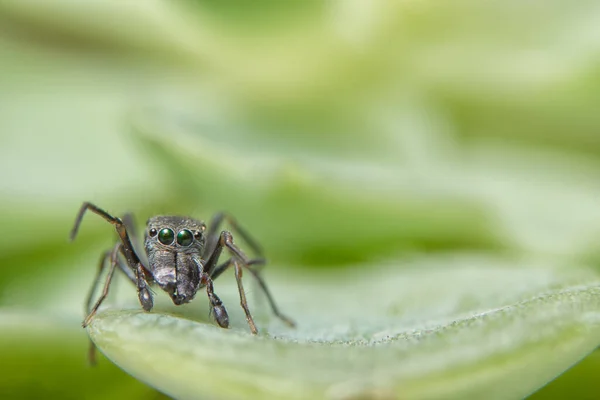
point(226, 240)
point(132, 267)
point(217, 308)
point(135, 270)
point(144, 294)
point(240, 260)
point(215, 244)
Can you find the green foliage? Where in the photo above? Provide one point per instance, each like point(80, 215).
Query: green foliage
point(448, 327)
point(47, 360)
point(422, 175)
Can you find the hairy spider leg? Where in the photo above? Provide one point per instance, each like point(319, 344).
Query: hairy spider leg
point(217, 309)
point(226, 241)
point(213, 235)
point(91, 310)
point(243, 302)
point(262, 284)
point(114, 260)
point(214, 272)
point(133, 261)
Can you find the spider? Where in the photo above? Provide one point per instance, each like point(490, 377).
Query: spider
point(181, 257)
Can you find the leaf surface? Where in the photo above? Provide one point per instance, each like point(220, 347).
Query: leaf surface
point(454, 327)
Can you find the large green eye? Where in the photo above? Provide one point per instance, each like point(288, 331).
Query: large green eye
point(185, 238)
point(166, 236)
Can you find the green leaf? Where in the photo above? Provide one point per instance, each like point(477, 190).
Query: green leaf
point(45, 357)
point(148, 28)
point(313, 211)
point(450, 327)
point(580, 382)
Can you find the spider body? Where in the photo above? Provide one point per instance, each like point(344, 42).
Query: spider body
point(181, 256)
point(175, 247)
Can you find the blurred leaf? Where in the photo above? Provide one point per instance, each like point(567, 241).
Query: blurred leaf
point(348, 131)
point(314, 211)
point(434, 195)
point(20, 257)
point(42, 358)
point(153, 29)
point(257, 12)
point(580, 382)
point(453, 327)
point(326, 74)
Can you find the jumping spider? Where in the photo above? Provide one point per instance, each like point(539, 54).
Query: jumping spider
point(181, 257)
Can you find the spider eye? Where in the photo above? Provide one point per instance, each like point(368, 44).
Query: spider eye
point(198, 235)
point(152, 232)
point(166, 236)
point(185, 238)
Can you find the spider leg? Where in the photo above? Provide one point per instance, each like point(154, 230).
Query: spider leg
point(243, 302)
point(101, 265)
point(89, 310)
point(226, 240)
point(213, 236)
point(261, 282)
point(263, 285)
point(223, 267)
point(129, 222)
point(88, 305)
point(238, 277)
point(114, 260)
point(217, 307)
point(133, 261)
point(128, 251)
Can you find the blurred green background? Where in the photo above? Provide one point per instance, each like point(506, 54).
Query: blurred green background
point(339, 132)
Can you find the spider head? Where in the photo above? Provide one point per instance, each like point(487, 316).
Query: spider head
point(174, 246)
point(174, 233)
